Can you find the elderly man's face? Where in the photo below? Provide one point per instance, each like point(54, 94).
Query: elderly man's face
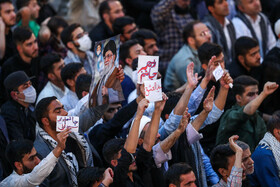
point(248, 163)
point(109, 58)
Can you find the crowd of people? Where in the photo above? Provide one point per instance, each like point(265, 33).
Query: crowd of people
point(208, 130)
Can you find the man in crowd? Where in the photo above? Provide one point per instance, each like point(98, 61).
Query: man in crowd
point(194, 34)
point(51, 65)
point(18, 111)
point(243, 119)
point(249, 21)
point(108, 12)
point(222, 29)
point(125, 26)
point(78, 44)
point(7, 20)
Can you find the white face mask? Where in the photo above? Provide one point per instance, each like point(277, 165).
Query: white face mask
point(85, 43)
point(30, 95)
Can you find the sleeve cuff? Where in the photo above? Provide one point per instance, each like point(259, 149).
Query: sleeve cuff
point(192, 135)
point(159, 156)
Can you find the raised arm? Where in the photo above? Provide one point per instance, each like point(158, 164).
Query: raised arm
point(3, 38)
point(220, 101)
point(252, 106)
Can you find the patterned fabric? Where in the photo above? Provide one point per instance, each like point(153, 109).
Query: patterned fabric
point(169, 27)
point(274, 145)
point(234, 180)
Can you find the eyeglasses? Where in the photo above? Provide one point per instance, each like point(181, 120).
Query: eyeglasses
point(107, 56)
point(205, 33)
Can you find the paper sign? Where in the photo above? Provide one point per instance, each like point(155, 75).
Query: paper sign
point(153, 90)
point(147, 68)
point(218, 73)
point(64, 122)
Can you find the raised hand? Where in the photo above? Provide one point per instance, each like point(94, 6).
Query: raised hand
point(159, 105)
point(210, 68)
point(2, 25)
point(270, 87)
point(233, 145)
point(184, 121)
point(209, 100)
point(61, 138)
point(142, 105)
point(226, 80)
point(120, 73)
point(108, 177)
point(192, 78)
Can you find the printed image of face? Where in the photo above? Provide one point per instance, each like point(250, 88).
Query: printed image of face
point(109, 58)
point(98, 50)
point(7, 13)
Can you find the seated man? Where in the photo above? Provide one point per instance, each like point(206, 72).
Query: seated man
point(125, 26)
point(29, 170)
point(18, 111)
point(51, 64)
point(77, 154)
point(243, 118)
point(226, 160)
point(180, 174)
point(266, 156)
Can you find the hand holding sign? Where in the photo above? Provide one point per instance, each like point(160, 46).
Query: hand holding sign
point(219, 72)
point(153, 90)
point(64, 122)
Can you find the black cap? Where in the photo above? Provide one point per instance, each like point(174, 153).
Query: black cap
point(15, 79)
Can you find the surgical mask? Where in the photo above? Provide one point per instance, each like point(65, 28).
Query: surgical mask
point(85, 43)
point(30, 95)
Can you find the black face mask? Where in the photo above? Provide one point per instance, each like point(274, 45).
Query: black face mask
point(181, 11)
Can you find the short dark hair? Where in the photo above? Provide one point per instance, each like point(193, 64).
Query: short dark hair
point(172, 176)
point(274, 122)
point(219, 157)
point(241, 82)
point(207, 50)
point(189, 30)
point(82, 84)
point(143, 34)
point(41, 109)
point(104, 8)
point(56, 22)
point(111, 148)
point(124, 49)
point(88, 176)
point(244, 44)
point(16, 150)
point(69, 72)
point(4, 1)
point(66, 34)
point(21, 34)
point(120, 23)
point(111, 45)
point(22, 3)
point(209, 3)
point(47, 62)
point(173, 99)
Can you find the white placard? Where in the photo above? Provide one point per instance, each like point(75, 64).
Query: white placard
point(64, 122)
point(218, 72)
point(147, 68)
point(153, 90)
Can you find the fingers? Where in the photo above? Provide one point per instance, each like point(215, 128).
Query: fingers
point(211, 61)
point(164, 97)
point(211, 93)
point(233, 138)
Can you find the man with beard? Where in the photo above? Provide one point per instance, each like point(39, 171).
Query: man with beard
point(29, 170)
point(78, 44)
point(195, 34)
point(26, 60)
point(7, 20)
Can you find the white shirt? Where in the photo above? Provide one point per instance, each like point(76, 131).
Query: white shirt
point(128, 71)
point(225, 29)
point(35, 178)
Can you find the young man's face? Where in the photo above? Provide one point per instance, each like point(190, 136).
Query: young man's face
point(250, 7)
point(76, 35)
point(22, 87)
point(113, 108)
point(188, 180)
point(34, 9)
point(151, 46)
point(29, 48)
point(135, 51)
point(201, 34)
point(116, 11)
point(220, 8)
point(252, 58)
point(128, 30)
point(29, 161)
point(250, 93)
point(7, 13)
point(56, 69)
point(248, 163)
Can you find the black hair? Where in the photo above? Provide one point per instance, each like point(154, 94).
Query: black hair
point(120, 23)
point(207, 50)
point(274, 122)
point(82, 84)
point(103, 8)
point(21, 34)
point(47, 61)
point(189, 30)
point(241, 82)
point(143, 34)
point(66, 34)
point(22, 3)
point(16, 150)
point(56, 22)
point(173, 99)
point(172, 176)
point(111, 148)
point(124, 49)
point(243, 45)
point(111, 45)
point(41, 109)
point(219, 157)
point(69, 72)
point(209, 3)
point(88, 176)
point(4, 1)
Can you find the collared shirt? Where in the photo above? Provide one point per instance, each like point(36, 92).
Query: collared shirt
point(226, 32)
point(71, 57)
point(35, 178)
point(70, 100)
point(52, 90)
point(159, 156)
point(234, 180)
point(128, 71)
